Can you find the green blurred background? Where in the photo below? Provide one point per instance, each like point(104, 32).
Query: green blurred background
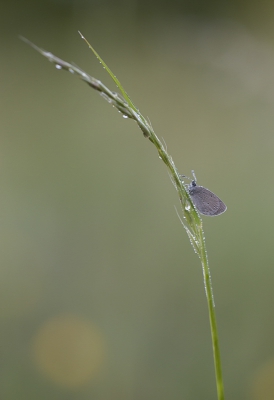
point(101, 295)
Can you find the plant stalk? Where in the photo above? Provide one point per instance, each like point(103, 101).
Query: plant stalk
point(191, 221)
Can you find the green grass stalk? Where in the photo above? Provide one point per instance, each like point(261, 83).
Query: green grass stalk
point(191, 219)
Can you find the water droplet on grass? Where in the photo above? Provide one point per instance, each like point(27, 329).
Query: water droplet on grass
point(187, 207)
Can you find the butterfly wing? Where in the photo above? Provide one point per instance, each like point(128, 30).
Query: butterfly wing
point(206, 202)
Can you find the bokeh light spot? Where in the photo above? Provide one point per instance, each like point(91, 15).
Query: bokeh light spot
point(263, 382)
point(69, 350)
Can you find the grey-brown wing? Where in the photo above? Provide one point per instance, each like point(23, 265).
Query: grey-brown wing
point(206, 202)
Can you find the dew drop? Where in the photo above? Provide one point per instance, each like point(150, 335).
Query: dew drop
point(71, 71)
point(58, 66)
point(125, 116)
point(187, 207)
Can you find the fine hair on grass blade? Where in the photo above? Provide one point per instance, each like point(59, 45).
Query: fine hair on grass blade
point(191, 220)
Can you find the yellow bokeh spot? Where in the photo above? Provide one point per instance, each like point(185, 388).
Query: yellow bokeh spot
point(69, 350)
point(262, 387)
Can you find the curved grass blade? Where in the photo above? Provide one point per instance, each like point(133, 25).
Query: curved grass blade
point(115, 79)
